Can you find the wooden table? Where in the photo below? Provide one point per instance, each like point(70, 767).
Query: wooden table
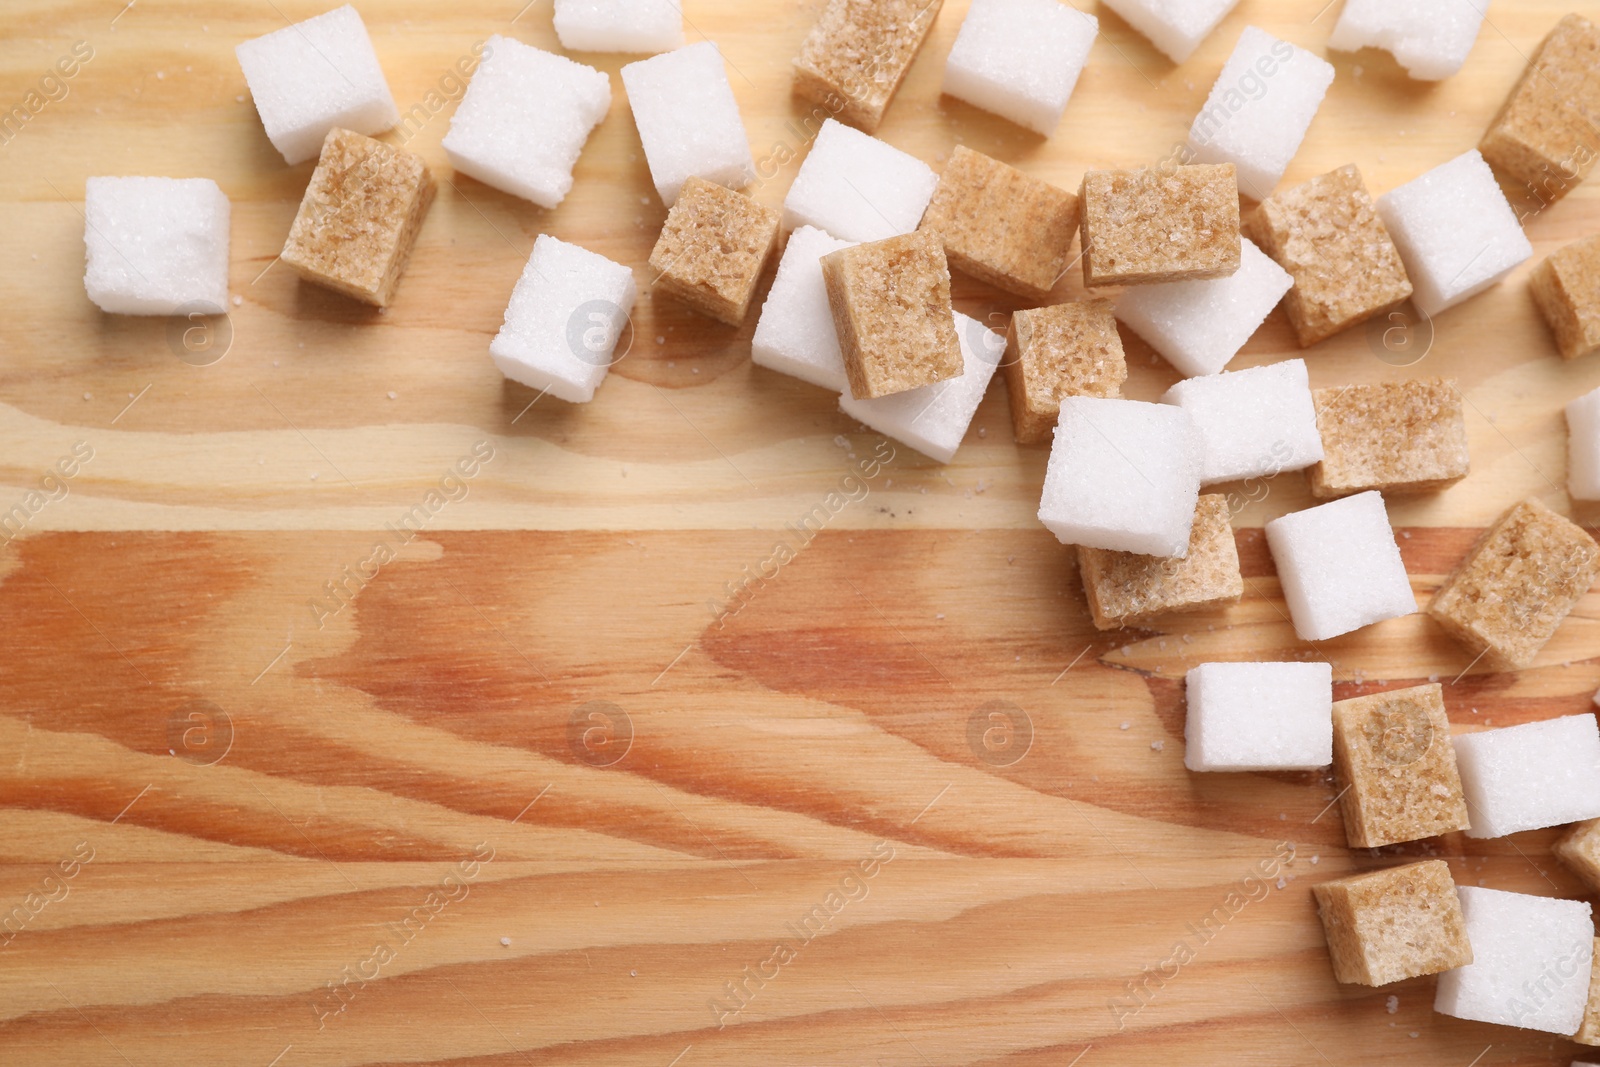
point(562, 784)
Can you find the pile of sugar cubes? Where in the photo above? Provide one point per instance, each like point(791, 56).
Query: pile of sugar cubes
point(1191, 254)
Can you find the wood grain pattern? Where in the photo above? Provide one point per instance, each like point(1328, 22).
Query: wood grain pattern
point(583, 775)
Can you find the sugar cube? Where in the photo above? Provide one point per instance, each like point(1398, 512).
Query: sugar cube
point(1175, 26)
point(857, 188)
point(1583, 447)
point(1200, 326)
point(1544, 136)
point(1123, 475)
point(156, 246)
point(1395, 437)
point(524, 119)
point(1396, 767)
point(1127, 589)
point(856, 56)
point(1051, 352)
point(359, 217)
point(1506, 598)
point(1327, 234)
point(1589, 1032)
point(1531, 962)
point(566, 316)
point(1579, 848)
point(314, 75)
point(933, 419)
point(1020, 59)
point(688, 119)
point(1340, 567)
point(1456, 233)
point(1566, 286)
point(1160, 224)
point(713, 248)
point(891, 309)
point(1258, 716)
point(619, 25)
point(795, 333)
point(1429, 38)
point(1259, 109)
point(1253, 423)
point(1531, 776)
point(1388, 925)
point(1001, 226)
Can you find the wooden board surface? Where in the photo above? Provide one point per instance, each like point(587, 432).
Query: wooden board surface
point(552, 783)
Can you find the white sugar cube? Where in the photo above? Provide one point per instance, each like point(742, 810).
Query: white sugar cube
point(1259, 109)
point(795, 334)
point(314, 75)
point(1456, 233)
point(858, 188)
point(567, 314)
point(1340, 567)
point(1583, 447)
point(934, 418)
point(1531, 776)
point(1254, 423)
point(1175, 26)
point(1531, 958)
point(1200, 325)
point(1020, 59)
point(1123, 475)
point(156, 246)
point(688, 120)
point(1429, 38)
point(1259, 717)
point(619, 25)
point(524, 119)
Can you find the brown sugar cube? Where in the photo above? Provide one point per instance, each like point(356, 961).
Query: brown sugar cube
point(1566, 286)
point(891, 308)
point(359, 217)
point(1160, 224)
point(713, 248)
point(1066, 350)
point(1001, 226)
point(1579, 848)
point(1328, 236)
point(1527, 571)
point(1545, 135)
point(857, 54)
point(1396, 437)
point(1125, 589)
point(1389, 925)
point(1396, 767)
point(1589, 1032)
